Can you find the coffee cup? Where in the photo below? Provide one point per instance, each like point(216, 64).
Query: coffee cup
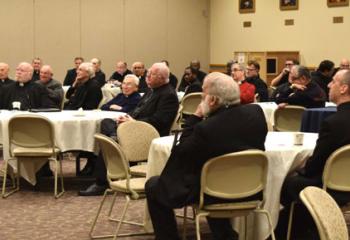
point(16, 105)
point(298, 138)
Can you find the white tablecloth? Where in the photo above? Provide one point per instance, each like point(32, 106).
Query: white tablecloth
point(74, 130)
point(268, 109)
point(283, 156)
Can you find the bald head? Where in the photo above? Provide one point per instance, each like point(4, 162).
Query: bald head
point(24, 72)
point(195, 64)
point(158, 75)
point(4, 71)
point(344, 64)
point(138, 68)
point(46, 74)
point(96, 63)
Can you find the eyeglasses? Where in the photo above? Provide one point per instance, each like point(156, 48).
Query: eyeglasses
point(251, 69)
point(236, 69)
point(289, 64)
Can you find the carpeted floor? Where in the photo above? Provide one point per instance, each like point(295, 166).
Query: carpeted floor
point(33, 212)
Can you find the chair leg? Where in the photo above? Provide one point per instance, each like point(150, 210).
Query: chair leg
point(96, 217)
point(269, 221)
point(112, 205)
point(290, 221)
point(15, 186)
point(198, 232)
point(122, 217)
point(57, 195)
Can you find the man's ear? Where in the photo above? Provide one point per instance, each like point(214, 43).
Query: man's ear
point(213, 100)
point(344, 89)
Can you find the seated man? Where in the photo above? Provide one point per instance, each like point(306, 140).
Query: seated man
point(36, 64)
point(4, 75)
point(120, 73)
point(100, 76)
point(128, 99)
point(85, 92)
point(157, 107)
point(172, 77)
point(323, 75)
point(193, 84)
point(138, 68)
point(284, 75)
point(72, 73)
point(253, 77)
point(53, 86)
point(302, 91)
point(247, 90)
point(218, 126)
point(334, 133)
point(24, 94)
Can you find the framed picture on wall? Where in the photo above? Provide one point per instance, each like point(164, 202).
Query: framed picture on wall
point(246, 6)
point(337, 3)
point(289, 4)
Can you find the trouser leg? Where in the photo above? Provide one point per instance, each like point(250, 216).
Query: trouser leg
point(163, 217)
point(221, 229)
point(109, 127)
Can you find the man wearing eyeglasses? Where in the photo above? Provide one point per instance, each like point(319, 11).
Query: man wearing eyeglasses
point(254, 78)
point(283, 76)
point(247, 90)
point(302, 91)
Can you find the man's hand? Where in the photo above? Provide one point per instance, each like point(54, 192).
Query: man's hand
point(115, 107)
point(285, 71)
point(282, 105)
point(199, 111)
point(124, 118)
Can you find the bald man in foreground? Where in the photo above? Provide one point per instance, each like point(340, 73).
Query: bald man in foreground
point(218, 126)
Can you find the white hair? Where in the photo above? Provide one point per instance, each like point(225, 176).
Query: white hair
point(163, 70)
point(133, 77)
point(224, 88)
point(87, 66)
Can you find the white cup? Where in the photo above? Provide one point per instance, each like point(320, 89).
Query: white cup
point(16, 105)
point(298, 138)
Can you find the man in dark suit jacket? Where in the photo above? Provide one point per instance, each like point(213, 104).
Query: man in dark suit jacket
point(220, 125)
point(85, 92)
point(334, 133)
point(157, 107)
point(72, 73)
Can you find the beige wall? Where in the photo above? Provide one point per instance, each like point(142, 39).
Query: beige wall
point(145, 30)
point(313, 33)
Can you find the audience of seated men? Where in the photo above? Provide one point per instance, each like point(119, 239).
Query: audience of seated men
point(219, 126)
point(253, 77)
point(192, 83)
point(128, 99)
point(172, 77)
point(247, 90)
point(334, 133)
point(323, 75)
point(4, 75)
point(121, 71)
point(53, 86)
point(85, 92)
point(36, 63)
point(72, 73)
point(284, 75)
point(138, 69)
point(302, 91)
point(100, 76)
point(24, 94)
point(157, 107)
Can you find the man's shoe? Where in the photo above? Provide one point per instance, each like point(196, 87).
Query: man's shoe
point(93, 190)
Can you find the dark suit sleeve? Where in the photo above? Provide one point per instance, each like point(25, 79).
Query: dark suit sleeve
point(131, 104)
point(165, 113)
point(324, 148)
point(93, 98)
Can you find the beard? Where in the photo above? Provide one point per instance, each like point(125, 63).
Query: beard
point(205, 107)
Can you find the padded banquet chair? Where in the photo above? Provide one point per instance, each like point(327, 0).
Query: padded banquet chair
point(135, 138)
point(189, 104)
point(233, 176)
point(288, 119)
point(335, 177)
point(32, 137)
point(120, 181)
point(327, 215)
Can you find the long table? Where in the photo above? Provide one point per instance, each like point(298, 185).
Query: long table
point(283, 157)
point(74, 130)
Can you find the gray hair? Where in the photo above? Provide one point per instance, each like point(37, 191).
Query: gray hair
point(133, 77)
point(224, 88)
point(87, 66)
point(302, 71)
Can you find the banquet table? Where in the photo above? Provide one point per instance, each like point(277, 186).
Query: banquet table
point(268, 109)
point(74, 130)
point(283, 158)
point(313, 117)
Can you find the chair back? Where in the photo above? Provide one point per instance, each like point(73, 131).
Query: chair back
point(31, 131)
point(288, 119)
point(336, 170)
point(327, 215)
point(114, 157)
point(135, 138)
point(176, 123)
point(190, 102)
point(234, 175)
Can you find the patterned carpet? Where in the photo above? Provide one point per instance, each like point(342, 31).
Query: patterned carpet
point(33, 212)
